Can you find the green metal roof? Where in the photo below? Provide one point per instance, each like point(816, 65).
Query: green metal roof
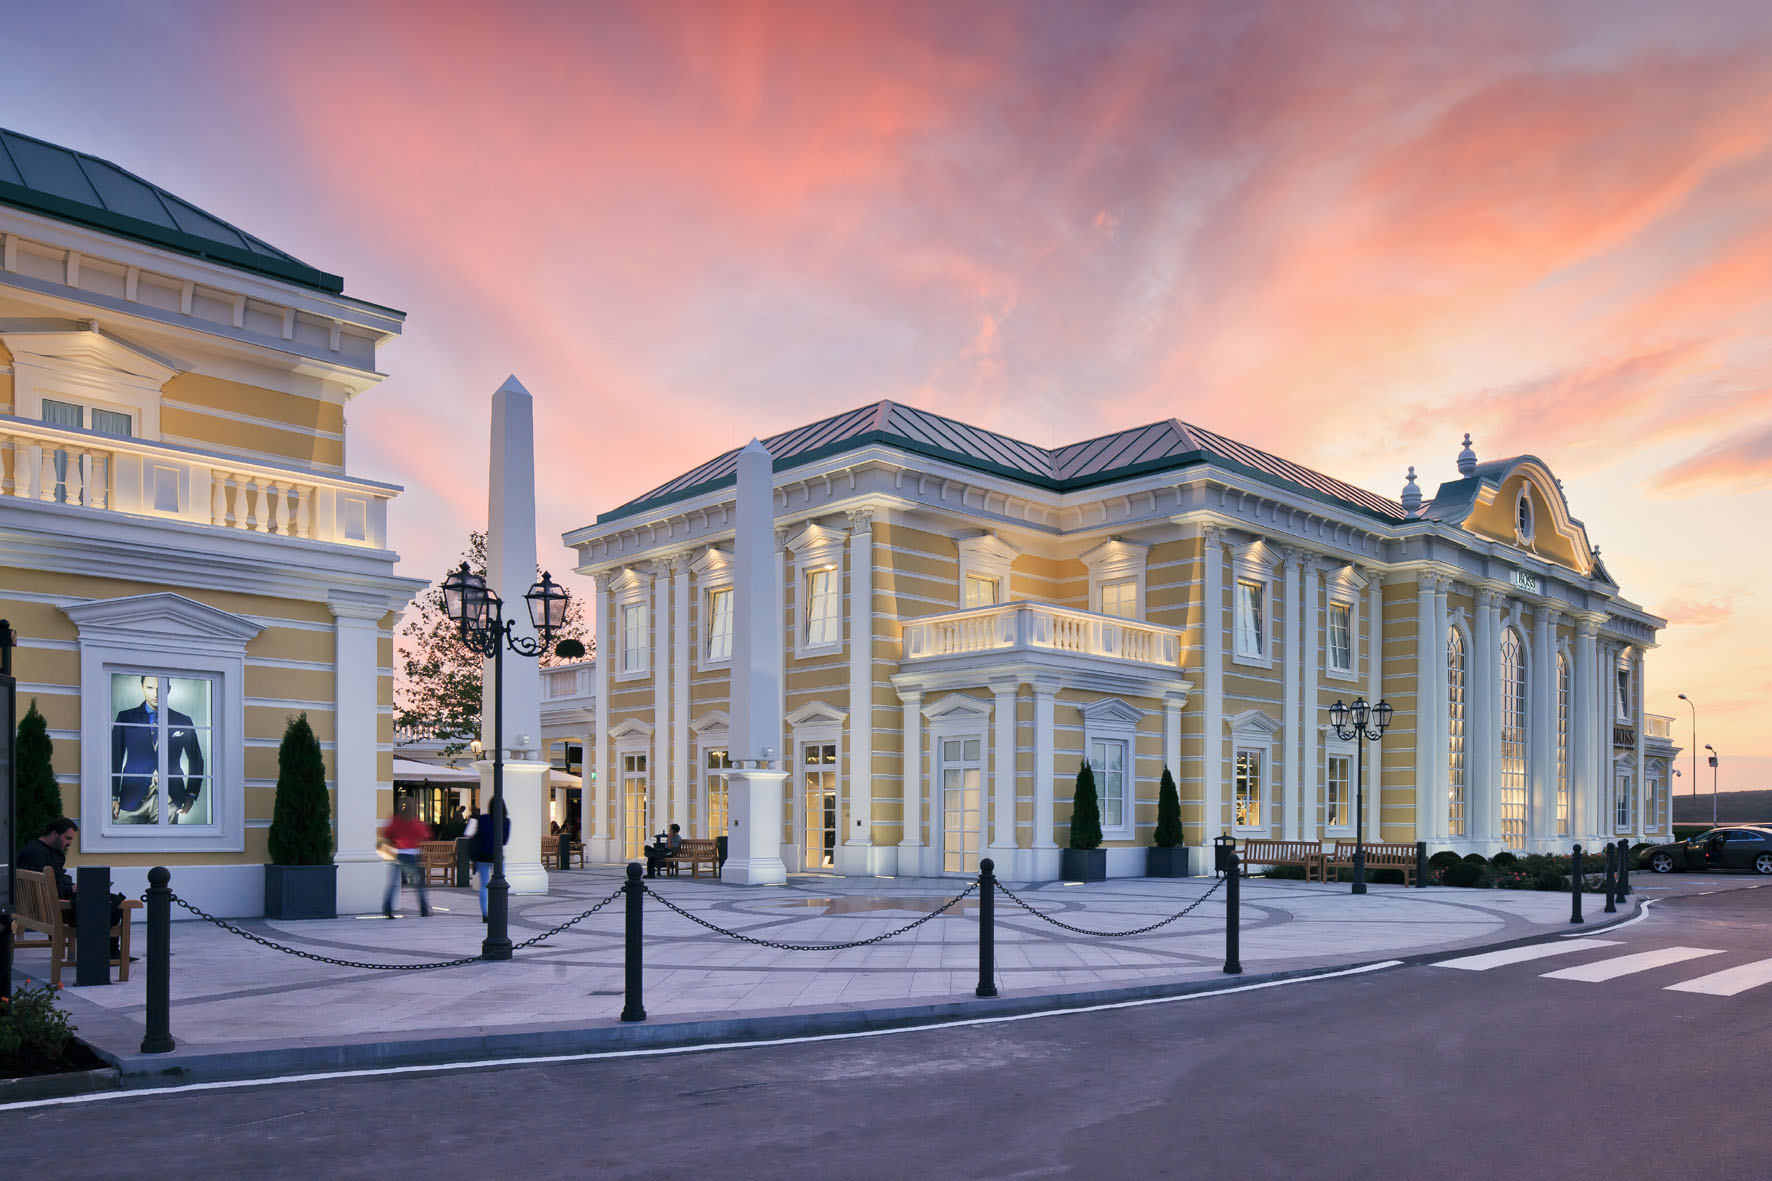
point(73, 186)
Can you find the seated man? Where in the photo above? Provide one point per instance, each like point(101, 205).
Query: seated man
point(665, 846)
point(50, 851)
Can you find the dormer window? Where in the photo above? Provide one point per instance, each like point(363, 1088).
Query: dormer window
point(983, 592)
point(1523, 521)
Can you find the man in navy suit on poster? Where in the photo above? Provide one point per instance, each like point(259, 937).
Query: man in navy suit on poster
point(135, 760)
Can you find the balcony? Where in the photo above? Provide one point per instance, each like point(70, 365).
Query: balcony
point(1042, 628)
point(1658, 726)
point(566, 682)
point(568, 700)
point(103, 473)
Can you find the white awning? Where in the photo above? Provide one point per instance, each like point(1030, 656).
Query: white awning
point(413, 771)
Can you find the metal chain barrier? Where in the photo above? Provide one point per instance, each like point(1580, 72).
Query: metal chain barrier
point(1113, 934)
point(910, 926)
point(419, 967)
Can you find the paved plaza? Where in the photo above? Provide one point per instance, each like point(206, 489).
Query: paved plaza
point(232, 998)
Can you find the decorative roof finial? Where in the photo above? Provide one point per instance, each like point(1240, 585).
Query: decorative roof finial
point(1467, 459)
point(1411, 494)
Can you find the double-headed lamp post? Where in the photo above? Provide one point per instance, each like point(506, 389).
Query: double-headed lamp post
point(479, 612)
point(1694, 706)
point(1357, 723)
point(1713, 783)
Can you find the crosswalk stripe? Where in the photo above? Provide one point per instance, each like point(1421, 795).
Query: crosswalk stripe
point(1729, 981)
point(1624, 965)
point(1516, 955)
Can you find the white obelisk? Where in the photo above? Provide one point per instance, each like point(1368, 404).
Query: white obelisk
point(753, 854)
point(510, 572)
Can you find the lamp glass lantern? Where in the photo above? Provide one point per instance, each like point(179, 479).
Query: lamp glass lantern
point(453, 593)
point(1338, 714)
point(547, 606)
point(1381, 717)
point(1359, 711)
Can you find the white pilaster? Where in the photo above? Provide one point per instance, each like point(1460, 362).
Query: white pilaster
point(1639, 675)
point(1375, 694)
point(1541, 763)
point(1427, 739)
point(1441, 754)
point(1212, 686)
point(1483, 809)
point(680, 769)
point(1310, 707)
point(600, 844)
point(1582, 732)
point(862, 859)
point(1292, 809)
point(658, 595)
point(1045, 819)
point(911, 781)
point(362, 875)
point(1003, 772)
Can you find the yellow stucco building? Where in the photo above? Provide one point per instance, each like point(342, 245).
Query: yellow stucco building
point(183, 554)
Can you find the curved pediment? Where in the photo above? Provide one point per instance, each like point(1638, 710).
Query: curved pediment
point(1518, 502)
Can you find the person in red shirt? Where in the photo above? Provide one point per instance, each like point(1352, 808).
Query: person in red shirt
point(405, 832)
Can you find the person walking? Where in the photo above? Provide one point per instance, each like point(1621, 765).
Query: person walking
point(480, 828)
point(405, 833)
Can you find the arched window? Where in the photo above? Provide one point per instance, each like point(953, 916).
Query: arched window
point(1513, 739)
point(1455, 698)
point(1562, 745)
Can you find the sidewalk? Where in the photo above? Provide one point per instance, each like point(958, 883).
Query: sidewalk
point(240, 1009)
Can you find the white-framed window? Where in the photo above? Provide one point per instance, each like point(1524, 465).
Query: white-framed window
point(1252, 744)
point(1120, 599)
point(824, 608)
point(115, 423)
point(1562, 744)
point(1340, 648)
point(1457, 690)
point(1251, 619)
point(1110, 744)
point(1624, 795)
point(1111, 761)
point(1252, 602)
point(1624, 695)
point(1513, 739)
point(1524, 520)
point(635, 645)
point(815, 820)
point(635, 796)
point(1338, 788)
point(1657, 791)
point(985, 561)
point(709, 799)
point(982, 592)
point(1116, 577)
point(719, 617)
point(959, 778)
point(1247, 769)
point(162, 724)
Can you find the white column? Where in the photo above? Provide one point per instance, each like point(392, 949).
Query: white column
point(1310, 711)
point(1427, 732)
point(680, 770)
point(597, 750)
point(1291, 671)
point(1045, 865)
point(362, 875)
point(755, 791)
point(1541, 762)
point(1212, 685)
point(1441, 754)
point(1582, 733)
point(1640, 668)
point(1483, 808)
point(910, 845)
point(660, 781)
point(862, 858)
point(1374, 694)
point(1003, 772)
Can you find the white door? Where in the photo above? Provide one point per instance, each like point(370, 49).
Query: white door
point(633, 812)
point(962, 797)
point(818, 804)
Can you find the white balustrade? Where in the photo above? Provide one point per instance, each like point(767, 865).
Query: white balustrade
point(1041, 626)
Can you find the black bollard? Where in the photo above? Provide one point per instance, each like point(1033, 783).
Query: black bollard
point(1607, 885)
point(159, 1014)
point(1420, 865)
point(5, 957)
point(1575, 888)
point(987, 929)
point(92, 925)
point(632, 1009)
point(1233, 961)
point(1623, 868)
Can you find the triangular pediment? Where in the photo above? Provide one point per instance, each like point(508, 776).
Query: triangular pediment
point(81, 345)
point(957, 705)
point(814, 712)
point(162, 616)
point(1111, 711)
point(1252, 721)
point(714, 719)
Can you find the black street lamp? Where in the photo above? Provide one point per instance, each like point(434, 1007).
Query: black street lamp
point(479, 612)
point(1713, 783)
point(1356, 723)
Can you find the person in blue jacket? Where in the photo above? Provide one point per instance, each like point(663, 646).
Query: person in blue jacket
point(480, 829)
point(135, 760)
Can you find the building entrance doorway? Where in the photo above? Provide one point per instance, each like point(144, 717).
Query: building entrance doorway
point(635, 832)
point(818, 798)
point(962, 796)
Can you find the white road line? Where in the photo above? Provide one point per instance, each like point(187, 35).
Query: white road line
point(1624, 965)
point(664, 1051)
point(1516, 955)
point(1729, 981)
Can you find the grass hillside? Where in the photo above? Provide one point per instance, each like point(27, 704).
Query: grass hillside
point(1733, 807)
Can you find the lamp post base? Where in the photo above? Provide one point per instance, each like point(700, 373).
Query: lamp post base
point(497, 944)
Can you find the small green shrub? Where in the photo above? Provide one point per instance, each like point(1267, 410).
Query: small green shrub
point(1503, 859)
point(38, 796)
point(301, 820)
point(1550, 880)
point(1476, 859)
point(1386, 877)
point(1168, 834)
point(1465, 874)
point(35, 1036)
point(1294, 873)
point(1443, 858)
point(1086, 812)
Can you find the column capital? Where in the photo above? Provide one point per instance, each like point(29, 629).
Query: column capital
point(782, 533)
point(1488, 597)
point(911, 695)
point(1587, 626)
point(1426, 581)
point(1045, 686)
point(678, 562)
point(1442, 584)
point(1214, 534)
point(348, 606)
point(861, 520)
point(1004, 686)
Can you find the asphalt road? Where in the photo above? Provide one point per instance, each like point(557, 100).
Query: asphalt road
point(1418, 1069)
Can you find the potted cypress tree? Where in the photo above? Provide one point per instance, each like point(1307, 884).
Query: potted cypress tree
point(38, 796)
point(301, 882)
point(1168, 856)
point(1085, 860)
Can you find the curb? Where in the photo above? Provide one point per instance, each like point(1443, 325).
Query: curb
point(59, 1086)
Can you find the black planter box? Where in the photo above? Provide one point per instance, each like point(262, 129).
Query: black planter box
point(1169, 862)
point(1082, 865)
point(301, 891)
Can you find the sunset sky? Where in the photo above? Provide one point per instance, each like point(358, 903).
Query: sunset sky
point(1346, 233)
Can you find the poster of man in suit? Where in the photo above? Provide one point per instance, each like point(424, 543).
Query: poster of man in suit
point(139, 727)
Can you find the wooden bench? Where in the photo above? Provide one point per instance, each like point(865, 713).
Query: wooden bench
point(1378, 856)
point(1308, 855)
point(550, 851)
point(39, 907)
point(694, 852)
point(436, 860)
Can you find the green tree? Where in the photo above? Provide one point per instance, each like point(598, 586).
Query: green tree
point(437, 692)
point(1086, 812)
point(301, 825)
point(1168, 834)
point(39, 797)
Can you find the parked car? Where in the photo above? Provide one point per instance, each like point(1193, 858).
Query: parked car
point(1735, 847)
